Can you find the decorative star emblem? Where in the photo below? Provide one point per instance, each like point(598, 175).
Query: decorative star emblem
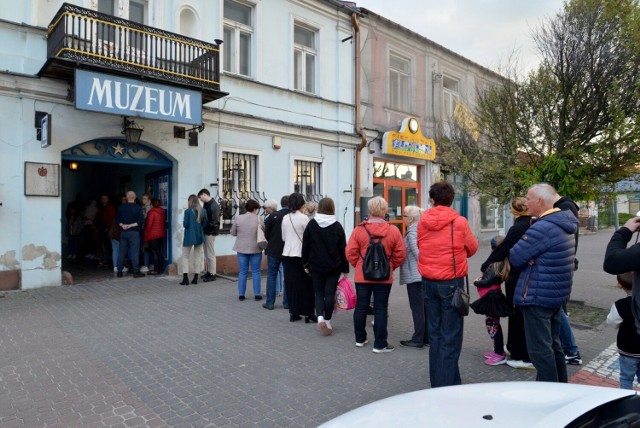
point(118, 149)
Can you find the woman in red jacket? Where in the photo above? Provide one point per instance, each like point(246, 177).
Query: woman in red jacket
point(356, 249)
point(444, 243)
point(154, 235)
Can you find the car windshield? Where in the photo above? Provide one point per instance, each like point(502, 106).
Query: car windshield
point(623, 412)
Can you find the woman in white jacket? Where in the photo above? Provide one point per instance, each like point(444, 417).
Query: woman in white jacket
point(297, 281)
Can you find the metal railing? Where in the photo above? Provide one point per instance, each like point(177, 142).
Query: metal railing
point(90, 37)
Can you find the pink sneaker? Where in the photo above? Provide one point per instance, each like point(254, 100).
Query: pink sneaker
point(496, 360)
point(489, 354)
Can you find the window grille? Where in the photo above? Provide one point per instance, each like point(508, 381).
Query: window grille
point(307, 179)
point(239, 184)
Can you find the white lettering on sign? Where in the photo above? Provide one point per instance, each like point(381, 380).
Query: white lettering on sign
point(139, 98)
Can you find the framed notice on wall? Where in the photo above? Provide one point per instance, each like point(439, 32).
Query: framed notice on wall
point(41, 179)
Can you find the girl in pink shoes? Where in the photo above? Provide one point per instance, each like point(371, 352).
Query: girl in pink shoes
point(493, 304)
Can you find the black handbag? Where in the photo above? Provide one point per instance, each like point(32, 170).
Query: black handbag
point(460, 299)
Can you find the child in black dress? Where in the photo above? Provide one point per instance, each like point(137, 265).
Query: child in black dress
point(493, 304)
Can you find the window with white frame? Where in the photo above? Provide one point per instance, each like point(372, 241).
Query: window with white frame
point(304, 58)
point(399, 78)
point(108, 33)
point(238, 35)
point(137, 11)
point(107, 6)
point(491, 214)
point(450, 95)
point(239, 184)
point(307, 179)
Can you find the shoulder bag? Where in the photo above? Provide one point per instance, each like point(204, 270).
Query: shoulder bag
point(460, 299)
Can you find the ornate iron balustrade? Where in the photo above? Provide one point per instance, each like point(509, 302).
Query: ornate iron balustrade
point(91, 38)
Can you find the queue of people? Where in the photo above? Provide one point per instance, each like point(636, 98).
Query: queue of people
point(307, 248)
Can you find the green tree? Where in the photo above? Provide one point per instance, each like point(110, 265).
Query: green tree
point(574, 122)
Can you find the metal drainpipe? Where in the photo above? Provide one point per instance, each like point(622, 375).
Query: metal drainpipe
point(358, 125)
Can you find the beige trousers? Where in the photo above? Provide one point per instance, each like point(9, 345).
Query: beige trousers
point(197, 261)
point(210, 253)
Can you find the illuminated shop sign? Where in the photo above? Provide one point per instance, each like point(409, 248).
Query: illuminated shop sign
point(128, 97)
point(409, 142)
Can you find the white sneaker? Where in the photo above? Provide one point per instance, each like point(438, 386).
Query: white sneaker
point(125, 269)
point(144, 269)
point(519, 364)
point(115, 268)
point(361, 344)
point(386, 349)
point(325, 328)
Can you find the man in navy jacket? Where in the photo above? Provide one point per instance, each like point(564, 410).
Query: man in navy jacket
point(546, 254)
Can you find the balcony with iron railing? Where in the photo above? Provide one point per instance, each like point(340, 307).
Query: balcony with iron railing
point(83, 38)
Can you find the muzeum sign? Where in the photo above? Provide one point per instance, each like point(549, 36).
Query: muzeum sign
point(128, 97)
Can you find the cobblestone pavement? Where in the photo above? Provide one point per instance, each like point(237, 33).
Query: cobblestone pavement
point(147, 352)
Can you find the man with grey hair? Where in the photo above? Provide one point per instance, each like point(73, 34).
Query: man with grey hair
point(546, 254)
point(131, 220)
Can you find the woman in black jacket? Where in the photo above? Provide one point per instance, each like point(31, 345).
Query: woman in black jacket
point(516, 341)
point(323, 256)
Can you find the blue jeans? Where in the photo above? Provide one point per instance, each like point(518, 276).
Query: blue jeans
point(243, 262)
point(566, 335)
point(445, 331)
point(542, 331)
point(629, 368)
point(380, 293)
point(129, 242)
point(274, 279)
point(280, 279)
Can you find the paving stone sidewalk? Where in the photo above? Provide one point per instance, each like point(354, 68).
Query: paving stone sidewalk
point(604, 370)
point(148, 352)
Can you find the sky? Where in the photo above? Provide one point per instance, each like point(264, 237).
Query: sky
point(484, 31)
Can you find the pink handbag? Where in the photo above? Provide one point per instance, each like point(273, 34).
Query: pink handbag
point(345, 294)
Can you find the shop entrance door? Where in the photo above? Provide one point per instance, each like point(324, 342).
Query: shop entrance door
point(399, 185)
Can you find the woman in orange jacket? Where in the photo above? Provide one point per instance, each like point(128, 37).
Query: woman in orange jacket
point(445, 241)
point(356, 250)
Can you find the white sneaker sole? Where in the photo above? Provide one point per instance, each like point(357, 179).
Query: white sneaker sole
point(361, 345)
point(324, 328)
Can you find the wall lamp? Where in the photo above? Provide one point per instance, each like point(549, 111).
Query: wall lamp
point(131, 131)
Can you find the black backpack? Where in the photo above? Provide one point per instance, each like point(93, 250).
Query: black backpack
point(375, 263)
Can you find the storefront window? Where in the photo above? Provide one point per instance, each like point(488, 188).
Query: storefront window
point(395, 171)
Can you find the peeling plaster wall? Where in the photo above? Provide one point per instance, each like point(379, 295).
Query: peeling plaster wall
point(8, 261)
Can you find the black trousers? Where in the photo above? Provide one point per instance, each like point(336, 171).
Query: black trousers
point(418, 313)
point(324, 288)
point(155, 247)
